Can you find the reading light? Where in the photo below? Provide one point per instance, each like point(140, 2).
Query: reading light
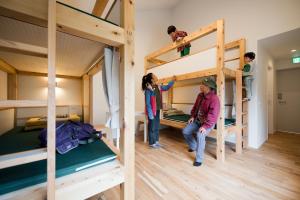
point(293, 50)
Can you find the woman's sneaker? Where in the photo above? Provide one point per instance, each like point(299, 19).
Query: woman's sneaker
point(158, 144)
point(154, 146)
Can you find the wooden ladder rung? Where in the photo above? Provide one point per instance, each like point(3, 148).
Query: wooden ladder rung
point(22, 103)
point(24, 157)
point(232, 59)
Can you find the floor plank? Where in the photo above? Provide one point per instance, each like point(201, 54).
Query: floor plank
point(271, 172)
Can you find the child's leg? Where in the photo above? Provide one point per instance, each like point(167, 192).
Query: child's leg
point(247, 81)
point(151, 137)
point(185, 51)
point(156, 126)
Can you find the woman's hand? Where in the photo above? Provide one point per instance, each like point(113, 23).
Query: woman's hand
point(191, 120)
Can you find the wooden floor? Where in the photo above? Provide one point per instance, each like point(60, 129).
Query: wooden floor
point(272, 172)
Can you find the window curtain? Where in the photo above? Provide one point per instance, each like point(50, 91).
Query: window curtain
point(110, 77)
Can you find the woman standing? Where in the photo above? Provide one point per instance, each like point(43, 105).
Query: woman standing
point(153, 103)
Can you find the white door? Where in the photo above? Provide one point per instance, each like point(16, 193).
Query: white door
point(288, 100)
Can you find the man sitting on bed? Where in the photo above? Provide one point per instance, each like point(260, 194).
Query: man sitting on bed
point(204, 116)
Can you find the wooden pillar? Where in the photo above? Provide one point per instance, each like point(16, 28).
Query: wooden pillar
point(170, 97)
point(242, 49)
point(51, 100)
point(12, 91)
point(86, 98)
point(91, 102)
point(127, 100)
point(221, 91)
point(238, 87)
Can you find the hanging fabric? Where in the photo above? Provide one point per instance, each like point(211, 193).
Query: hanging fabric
point(110, 77)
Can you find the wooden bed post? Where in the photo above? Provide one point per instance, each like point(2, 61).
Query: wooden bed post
point(51, 100)
point(12, 91)
point(127, 100)
point(238, 87)
point(221, 91)
point(242, 45)
point(170, 97)
point(86, 98)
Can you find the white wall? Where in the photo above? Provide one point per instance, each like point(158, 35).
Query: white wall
point(289, 106)
point(150, 35)
point(252, 20)
point(6, 116)
point(68, 91)
point(99, 100)
point(68, 95)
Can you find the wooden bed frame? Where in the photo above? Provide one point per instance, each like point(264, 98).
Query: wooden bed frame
point(220, 71)
point(58, 17)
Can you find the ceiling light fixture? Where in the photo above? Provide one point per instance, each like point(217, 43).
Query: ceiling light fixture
point(293, 50)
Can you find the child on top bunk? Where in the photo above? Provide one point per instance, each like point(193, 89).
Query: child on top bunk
point(177, 36)
point(248, 73)
point(153, 104)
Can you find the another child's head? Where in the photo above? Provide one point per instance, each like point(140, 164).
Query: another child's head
point(249, 56)
point(171, 30)
point(148, 79)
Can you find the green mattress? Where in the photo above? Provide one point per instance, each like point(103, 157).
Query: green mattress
point(185, 118)
point(18, 177)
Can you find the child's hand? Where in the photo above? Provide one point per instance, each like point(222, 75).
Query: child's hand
point(191, 120)
point(174, 78)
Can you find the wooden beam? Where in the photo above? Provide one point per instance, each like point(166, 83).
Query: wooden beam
point(202, 73)
point(229, 72)
point(232, 59)
point(69, 20)
point(127, 100)
point(102, 8)
point(22, 103)
point(165, 62)
point(24, 157)
point(95, 69)
point(221, 91)
point(157, 61)
point(191, 37)
point(238, 88)
point(46, 75)
point(51, 110)
point(232, 45)
point(22, 48)
point(4, 66)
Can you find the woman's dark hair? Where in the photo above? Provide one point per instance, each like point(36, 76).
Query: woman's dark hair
point(147, 79)
point(171, 29)
point(250, 55)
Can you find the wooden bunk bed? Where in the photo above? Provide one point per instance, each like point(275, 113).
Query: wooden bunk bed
point(89, 179)
point(162, 69)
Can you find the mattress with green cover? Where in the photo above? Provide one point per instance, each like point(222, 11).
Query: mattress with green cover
point(21, 176)
point(184, 118)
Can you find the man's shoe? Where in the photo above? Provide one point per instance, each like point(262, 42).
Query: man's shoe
point(154, 146)
point(197, 164)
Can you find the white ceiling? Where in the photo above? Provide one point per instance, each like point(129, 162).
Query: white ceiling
point(280, 46)
point(74, 54)
point(155, 4)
